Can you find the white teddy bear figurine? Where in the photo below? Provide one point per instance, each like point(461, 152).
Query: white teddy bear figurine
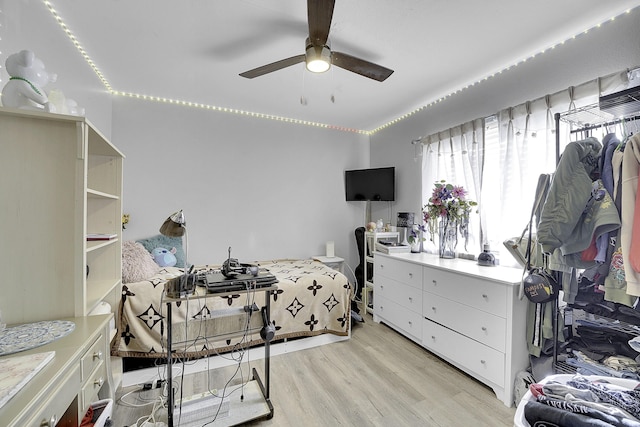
point(27, 79)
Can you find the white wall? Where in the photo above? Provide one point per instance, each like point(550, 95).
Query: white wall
point(265, 188)
point(605, 50)
point(270, 189)
point(28, 24)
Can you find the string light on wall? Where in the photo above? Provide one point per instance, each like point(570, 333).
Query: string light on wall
point(107, 85)
point(76, 43)
point(483, 79)
point(235, 111)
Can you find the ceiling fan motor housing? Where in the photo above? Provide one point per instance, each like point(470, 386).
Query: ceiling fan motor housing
point(317, 58)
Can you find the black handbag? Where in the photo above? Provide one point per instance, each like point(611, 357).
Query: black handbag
point(538, 285)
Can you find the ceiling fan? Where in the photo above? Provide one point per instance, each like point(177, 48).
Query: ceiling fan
point(318, 55)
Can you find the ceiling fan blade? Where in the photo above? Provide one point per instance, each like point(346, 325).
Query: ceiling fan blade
point(319, 14)
point(274, 66)
point(360, 66)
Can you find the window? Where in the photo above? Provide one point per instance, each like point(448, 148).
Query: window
point(498, 161)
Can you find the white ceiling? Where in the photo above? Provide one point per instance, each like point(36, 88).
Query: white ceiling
point(193, 50)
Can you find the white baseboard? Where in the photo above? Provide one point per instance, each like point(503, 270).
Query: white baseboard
point(147, 375)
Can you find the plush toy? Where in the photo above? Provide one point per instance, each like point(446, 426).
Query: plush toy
point(64, 105)
point(164, 257)
point(28, 77)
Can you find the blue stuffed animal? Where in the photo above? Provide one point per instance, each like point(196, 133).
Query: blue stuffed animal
point(164, 257)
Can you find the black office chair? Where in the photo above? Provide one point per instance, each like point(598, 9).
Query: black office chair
point(359, 272)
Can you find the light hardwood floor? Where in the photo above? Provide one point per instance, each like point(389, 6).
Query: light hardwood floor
point(377, 378)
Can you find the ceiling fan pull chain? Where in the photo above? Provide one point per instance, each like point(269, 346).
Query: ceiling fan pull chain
point(303, 99)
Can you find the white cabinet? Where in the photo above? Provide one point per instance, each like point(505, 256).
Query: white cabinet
point(78, 375)
point(470, 315)
point(370, 239)
point(60, 179)
point(398, 295)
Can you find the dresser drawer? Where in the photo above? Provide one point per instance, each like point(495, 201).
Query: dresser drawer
point(57, 403)
point(402, 271)
point(94, 383)
point(93, 357)
point(473, 357)
point(484, 295)
point(407, 322)
point(481, 326)
point(403, 295)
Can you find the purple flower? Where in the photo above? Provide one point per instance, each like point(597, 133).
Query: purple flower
point(459, 192)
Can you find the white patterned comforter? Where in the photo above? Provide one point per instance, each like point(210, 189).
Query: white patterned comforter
point(311, 299)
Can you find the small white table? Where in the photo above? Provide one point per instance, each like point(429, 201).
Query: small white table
point(334, 262)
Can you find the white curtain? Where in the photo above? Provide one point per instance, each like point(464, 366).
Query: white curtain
point(456, 156)
point(498, 160)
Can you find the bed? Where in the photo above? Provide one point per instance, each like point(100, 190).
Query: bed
point(311, 299)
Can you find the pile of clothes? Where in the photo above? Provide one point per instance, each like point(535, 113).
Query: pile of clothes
point(606, 340)
point(577, 400)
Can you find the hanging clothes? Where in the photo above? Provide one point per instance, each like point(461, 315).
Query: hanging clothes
point(577, 210)
point(615, 284)
point(568, 195)
point(610, 142)
point(629, 183)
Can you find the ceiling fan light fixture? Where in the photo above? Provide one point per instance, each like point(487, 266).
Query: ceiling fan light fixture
point(318, 58)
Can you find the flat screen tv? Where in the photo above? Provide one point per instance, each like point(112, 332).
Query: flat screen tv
point(370, 184)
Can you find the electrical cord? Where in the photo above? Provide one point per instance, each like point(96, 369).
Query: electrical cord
point(140, 390)
point(354, 287)
point(237, 354)
point(151, 418)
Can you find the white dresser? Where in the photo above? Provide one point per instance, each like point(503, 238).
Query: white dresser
point(469, 315)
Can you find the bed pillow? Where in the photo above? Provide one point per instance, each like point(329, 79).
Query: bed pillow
point(161, 241)
point(137, 263)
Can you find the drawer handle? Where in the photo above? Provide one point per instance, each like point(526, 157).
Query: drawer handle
point(381, 265)
point(484, 296)
point(484, 328)
point(410, 275)
point(410, 299)
point(435, 283)
point(433, 308)
point(51, 422)
point(381, 307)
point(410, 323)
point(381, 287)
point(99, 382)
point(97, 355)
point(433, 337)
point(483, 361)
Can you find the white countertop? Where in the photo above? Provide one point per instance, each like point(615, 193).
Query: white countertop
point(498, 273)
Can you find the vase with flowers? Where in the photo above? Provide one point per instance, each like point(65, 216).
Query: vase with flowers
point(447, 213)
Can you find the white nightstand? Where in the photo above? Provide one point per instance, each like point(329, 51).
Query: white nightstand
point(334, 262)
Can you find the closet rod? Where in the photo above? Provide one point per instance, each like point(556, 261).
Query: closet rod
point(610, 123)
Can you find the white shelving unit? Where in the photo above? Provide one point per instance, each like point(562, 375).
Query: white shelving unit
point(60, 179)
point(370, 239)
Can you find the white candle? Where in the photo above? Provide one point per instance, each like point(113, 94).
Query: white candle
point(330, 250)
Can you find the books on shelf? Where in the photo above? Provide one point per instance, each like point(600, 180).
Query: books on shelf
point(101, 236)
